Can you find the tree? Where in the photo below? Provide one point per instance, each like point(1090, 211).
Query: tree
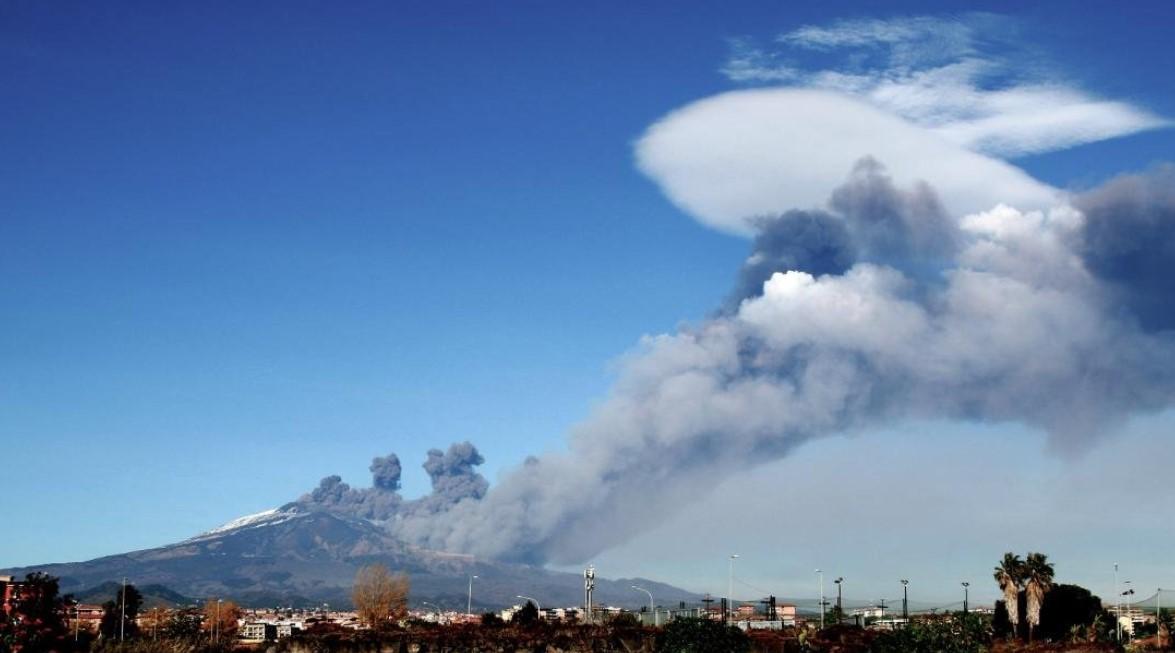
point(527, 615)
point(1164, 626)
point(702, 636)
point(1038, 579)
point(1068, 609)
point(119, 614)
point(492, 620)
point(1010, 575)
point(34, 624)
point(183, 624)
point(380, 597)
point(220, 620)
point(835, 615)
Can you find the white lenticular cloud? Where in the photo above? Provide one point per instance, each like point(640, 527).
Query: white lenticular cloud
point(728, 159)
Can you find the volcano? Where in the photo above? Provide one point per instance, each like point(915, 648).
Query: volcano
point(292, 556)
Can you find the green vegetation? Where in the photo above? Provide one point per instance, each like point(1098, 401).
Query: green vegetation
point(118, 619)
point(957, 633)
point(702, 636)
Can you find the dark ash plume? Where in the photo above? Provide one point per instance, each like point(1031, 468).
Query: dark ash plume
point(813, 241)
point(385, 473)
point(902, 228)
point(1129, 242)
point(991, 317)
point(453, 475)
point(869, 220)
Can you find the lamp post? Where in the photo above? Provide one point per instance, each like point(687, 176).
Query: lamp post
point(469, 601)
point(217, 624)
point(821, 574)
point(1117, 605)
point(651, 608)
point(77, 620)
point(905, 601)
point(730, 588)
point(840, 609)
point(966, 592)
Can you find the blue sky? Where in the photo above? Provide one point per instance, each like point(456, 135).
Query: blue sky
point(246, 247)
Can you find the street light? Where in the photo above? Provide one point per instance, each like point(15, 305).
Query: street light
point(821, 574)
point(840, 610)
point(652, 610)
point(537, 607)
point(966, 588)
point(469, 602)
point(905, 601)
point(730, 588)
point(1117, 605)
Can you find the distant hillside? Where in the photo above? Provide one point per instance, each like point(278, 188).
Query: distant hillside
point(302, 558)
point(154, 595)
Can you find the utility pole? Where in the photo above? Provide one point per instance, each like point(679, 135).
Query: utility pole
point(822, 601)
point(840, 608)
point(966, 588)
point(122, 612)
point(905, 601)
point(77, 622)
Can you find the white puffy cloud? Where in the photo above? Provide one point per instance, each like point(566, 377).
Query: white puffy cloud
point(731, 158)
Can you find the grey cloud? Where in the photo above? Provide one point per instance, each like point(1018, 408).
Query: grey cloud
point(1129, 242)
point(385, 472)
point(811, 241)
point(905, 229)
point(453, 475)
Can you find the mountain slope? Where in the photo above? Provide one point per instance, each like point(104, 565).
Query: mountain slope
point(292, 556)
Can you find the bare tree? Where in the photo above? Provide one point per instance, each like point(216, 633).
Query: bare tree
point(380, 596)
point(220, 620)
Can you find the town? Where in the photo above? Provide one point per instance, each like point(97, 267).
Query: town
point(1036, 611)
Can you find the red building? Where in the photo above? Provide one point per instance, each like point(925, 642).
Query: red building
point(9, 592)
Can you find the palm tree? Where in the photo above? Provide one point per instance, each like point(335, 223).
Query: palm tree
point(1010, 574)
point(1038, 578)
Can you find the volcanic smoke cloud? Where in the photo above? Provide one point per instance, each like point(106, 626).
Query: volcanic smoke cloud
point(879, 307)
point(453, 480)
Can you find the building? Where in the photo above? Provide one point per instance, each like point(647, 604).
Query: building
point(85, 617)
point(9, 592)
point(258, 631)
